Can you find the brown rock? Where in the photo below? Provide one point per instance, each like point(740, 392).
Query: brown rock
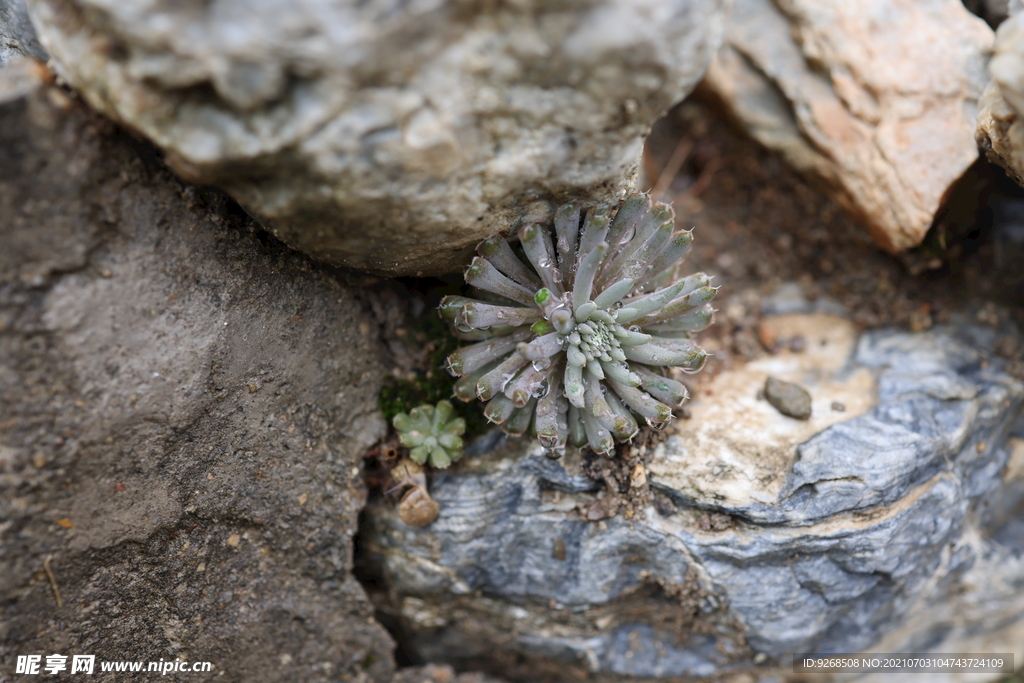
point(877, 98)
point(147, 496)
point(439, 673)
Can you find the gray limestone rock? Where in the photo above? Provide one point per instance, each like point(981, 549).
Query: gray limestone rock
point(17, 37)
point(830, 535)
point(390, 136)
point(183, 407)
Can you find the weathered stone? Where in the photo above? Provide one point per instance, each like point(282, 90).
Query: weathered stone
point(788, 398)
point(17, 38)
point(768, 535)
point(434, 673)
point(183, 407)
point(878, 99)
point(390, 136)
point(1000, 129)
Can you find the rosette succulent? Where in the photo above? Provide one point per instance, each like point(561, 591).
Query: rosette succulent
point(572, 343)
point(432, 433)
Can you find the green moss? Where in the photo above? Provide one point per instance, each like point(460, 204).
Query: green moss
point(435, 384)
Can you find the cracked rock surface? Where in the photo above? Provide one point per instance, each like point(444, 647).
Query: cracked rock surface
point(392, 160)
point(183, 406)
point(766, 535)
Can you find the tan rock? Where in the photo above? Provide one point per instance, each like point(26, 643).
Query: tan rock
point(737, 448)
point(1000, 130)
point(876, 97)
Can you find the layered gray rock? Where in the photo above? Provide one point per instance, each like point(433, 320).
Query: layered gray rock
point(767, 535)
point(183, 407)
point(877, 99)
point(390, 136)
point(17, 37)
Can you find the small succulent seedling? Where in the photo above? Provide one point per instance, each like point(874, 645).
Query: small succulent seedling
point(572, 344)
point(432, 433)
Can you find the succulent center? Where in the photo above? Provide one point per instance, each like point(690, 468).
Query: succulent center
point(596, 339)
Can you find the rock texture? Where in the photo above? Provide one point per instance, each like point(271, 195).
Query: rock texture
point(877, 98)
point(390, 136)
point(1000, 129)
point(433, 673)
point(17, 38)
point(765, 536)
point(183, 407)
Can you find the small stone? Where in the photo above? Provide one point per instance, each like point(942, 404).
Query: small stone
point(303, 498)
point(838, 406)
point(788, 398)
point(920, 320)
point(768, 336)
point(664, 505)
point(233, 540)
point(1006, 346)
point(638, 477)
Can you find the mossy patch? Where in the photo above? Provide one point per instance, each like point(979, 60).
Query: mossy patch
point(432, 383)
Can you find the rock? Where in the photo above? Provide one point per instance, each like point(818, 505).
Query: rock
point(1000, 130)
point(433, 673)
point(765, 535)
point(392, 160)
point(831, 86)
point(184, 403)
point(17, 37)
point(788, 398)
point(994, 12)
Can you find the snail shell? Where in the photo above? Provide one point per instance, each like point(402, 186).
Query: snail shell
point(407, 471)
point(417, 507)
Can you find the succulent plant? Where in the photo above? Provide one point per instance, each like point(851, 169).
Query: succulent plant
point(573, 345)
point(432, 433)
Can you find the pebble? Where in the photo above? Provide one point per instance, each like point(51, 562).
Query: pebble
point(788, 398)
